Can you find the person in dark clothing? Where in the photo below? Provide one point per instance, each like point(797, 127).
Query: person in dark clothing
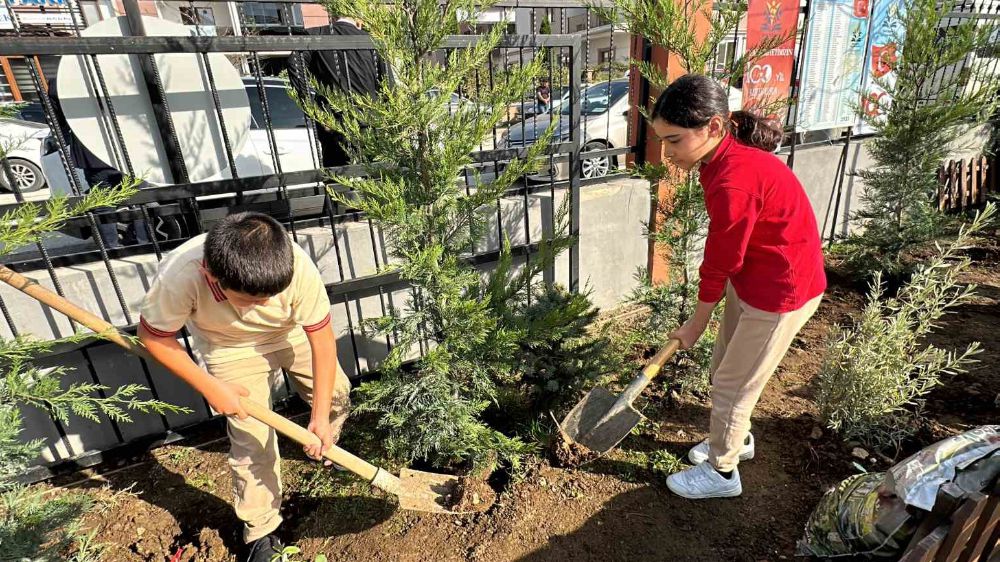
point(93, 170)
point(543, 96)
point(357, 71)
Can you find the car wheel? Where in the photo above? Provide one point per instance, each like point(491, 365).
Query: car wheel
point(27, 175)
point(595, 167)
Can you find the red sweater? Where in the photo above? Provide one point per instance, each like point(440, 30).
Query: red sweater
point(762, 233)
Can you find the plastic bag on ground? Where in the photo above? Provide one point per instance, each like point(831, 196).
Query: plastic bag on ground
point(877, 513)
point(917, 479)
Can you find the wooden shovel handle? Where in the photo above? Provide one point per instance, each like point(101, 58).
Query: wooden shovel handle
point(80, 315)
point(99, 325)
point(662, 356)
point(303, 436)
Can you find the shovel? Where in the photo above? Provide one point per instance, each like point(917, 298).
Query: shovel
point(417, 490)
point(601, 420)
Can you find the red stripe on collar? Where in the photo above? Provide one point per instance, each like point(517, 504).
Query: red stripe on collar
point(213, 286)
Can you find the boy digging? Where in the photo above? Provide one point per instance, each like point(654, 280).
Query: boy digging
point(254, 303)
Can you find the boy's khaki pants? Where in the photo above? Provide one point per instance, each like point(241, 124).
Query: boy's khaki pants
point(750, 344)
point(253, 453)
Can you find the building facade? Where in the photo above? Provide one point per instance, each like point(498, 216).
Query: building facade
point(66, 17)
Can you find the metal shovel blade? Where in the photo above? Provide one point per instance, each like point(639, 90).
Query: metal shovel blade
point(589, 425)
point(439, 493)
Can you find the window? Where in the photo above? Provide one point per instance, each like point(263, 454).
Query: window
point(604, 56)
point(285, 114)
point(265, 14)
point(197, 16)
point(725, 55)
point(598, 98)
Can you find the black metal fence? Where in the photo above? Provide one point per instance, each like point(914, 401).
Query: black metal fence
point(161, 217)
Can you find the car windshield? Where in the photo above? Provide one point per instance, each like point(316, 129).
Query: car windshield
point(598, 98)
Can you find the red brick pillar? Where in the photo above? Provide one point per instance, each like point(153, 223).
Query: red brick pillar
point(650, 147)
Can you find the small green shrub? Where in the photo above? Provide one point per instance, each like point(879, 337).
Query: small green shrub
point(291, 554)
point(875, 374)
point(689, 370)
point(665, 463)
point(34, 525)
point(557, 357)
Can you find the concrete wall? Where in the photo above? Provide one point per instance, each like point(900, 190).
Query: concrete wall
point(818, 168)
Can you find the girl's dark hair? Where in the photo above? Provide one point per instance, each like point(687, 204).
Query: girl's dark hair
point(693, 99)
point(250, 253)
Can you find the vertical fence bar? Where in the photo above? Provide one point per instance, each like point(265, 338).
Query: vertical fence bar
point(840, 184)
point(797, 67)
point(329, 205)
point(273, 143)
point(576, 71)
point(942, 187)
point(217, 104)
point(953, 193)
point(642, 101)
point(552, 166)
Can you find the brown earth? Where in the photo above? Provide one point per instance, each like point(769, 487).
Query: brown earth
point(614, 508)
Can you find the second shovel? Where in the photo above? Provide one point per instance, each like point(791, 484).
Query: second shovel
point(601, 420)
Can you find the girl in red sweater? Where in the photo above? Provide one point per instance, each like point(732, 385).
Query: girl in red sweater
point(762, 253)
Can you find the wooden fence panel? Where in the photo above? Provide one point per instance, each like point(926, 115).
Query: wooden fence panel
point(963, 523)
point(964, 184)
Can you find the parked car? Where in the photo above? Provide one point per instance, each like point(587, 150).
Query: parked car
point(604, 124)
point(28, 111)
point(22, 141)
point(604, 114)
point(295, 151)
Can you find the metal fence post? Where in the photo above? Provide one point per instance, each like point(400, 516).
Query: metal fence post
point(575, 75)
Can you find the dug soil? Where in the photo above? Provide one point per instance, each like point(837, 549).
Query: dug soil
point(615, 508)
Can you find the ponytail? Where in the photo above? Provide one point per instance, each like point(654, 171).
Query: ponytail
point(756, 131)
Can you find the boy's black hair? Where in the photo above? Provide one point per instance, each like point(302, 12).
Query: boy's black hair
point(250, 253)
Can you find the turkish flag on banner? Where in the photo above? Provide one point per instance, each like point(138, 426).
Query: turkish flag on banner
point(769, 78)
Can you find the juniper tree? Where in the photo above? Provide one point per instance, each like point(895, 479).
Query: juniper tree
point(937, 91)
point(33, 526)
point(416, 150)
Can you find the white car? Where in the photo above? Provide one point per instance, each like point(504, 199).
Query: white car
point(604, 124)
point(604, 111)
point(295, 151)
point(22, 141)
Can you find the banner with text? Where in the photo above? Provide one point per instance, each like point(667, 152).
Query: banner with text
point(885, 48)
point(834, 63)
point(768, 80)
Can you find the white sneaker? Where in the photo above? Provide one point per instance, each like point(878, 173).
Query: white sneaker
point(703, 481)
point(699, 453)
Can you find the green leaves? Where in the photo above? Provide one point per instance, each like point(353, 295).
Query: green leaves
point(875, 373)
point(28, 223)
point(33, 526)
point(415, 144)
point(932, 105)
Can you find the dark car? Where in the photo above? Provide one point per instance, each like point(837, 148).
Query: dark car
point(29, 111)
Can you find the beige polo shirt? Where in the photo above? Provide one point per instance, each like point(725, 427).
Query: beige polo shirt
point(182, 295)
